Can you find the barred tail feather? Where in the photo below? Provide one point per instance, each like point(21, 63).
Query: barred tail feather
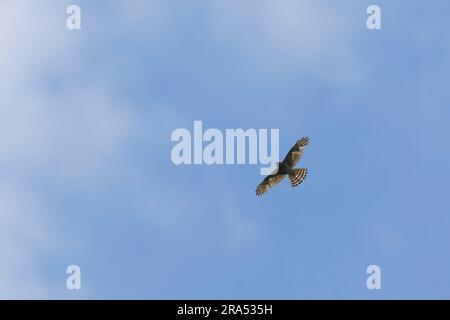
point(298, 176)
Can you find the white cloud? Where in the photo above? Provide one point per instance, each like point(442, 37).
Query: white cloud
point(67, 135)
point(308, 35)
point(23, 235)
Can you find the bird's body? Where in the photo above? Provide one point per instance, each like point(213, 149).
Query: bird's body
point(286, 167)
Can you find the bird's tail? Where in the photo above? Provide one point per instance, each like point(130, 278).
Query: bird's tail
point(298, 176)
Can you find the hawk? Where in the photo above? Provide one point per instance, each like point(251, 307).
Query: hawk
point(286, 167)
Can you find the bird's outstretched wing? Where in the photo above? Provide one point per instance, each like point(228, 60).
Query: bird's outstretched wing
point(296, 152)
point(268, 182)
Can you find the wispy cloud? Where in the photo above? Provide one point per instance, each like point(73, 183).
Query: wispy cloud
point(64, 136)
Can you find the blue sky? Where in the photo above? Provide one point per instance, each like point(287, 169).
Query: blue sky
point(86, 175)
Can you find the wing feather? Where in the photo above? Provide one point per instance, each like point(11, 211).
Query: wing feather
point(268, 182)
point(296, 152)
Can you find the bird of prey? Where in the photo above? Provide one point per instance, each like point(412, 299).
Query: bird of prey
point(286, 167)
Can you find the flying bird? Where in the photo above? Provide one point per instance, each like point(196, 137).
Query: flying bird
point(286, 167)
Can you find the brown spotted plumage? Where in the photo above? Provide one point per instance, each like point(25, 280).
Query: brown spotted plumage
point(268, 182)
point(286, 167)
